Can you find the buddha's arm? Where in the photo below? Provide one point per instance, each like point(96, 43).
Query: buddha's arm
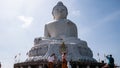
point(73, 29)
point(46, 33)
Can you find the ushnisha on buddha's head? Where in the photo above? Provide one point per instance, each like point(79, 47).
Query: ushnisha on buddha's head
point(60, 11)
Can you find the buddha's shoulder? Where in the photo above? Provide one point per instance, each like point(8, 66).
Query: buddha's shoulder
point(65, 21)
point(69, 22)
point(52, 22)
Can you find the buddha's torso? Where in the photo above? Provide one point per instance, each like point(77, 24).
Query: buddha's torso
point(61, 28)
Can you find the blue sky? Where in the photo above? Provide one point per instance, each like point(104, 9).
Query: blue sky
point(98, 23)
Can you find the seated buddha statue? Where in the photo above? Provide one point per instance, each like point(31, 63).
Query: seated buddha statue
point(60, 27)
point(61, 30)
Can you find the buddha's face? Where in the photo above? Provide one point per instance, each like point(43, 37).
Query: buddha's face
point(60, 12)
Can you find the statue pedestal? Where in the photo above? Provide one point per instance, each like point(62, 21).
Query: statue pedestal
point(76, 50)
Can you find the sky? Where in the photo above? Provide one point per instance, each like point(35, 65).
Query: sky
point(98, 23)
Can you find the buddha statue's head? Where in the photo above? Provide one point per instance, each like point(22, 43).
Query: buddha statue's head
point(60, 11)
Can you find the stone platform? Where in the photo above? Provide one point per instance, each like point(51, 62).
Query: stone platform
point(43, 64)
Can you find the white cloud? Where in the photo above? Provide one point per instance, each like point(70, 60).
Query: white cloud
point(26, 21)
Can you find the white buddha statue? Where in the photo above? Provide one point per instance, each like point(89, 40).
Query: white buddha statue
point(59, 31)
point(60, 27)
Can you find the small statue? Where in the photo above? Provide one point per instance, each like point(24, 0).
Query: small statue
point(37, 40)
point(63, 48)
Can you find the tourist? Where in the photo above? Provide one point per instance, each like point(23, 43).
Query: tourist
point(55, 61)
point(51, 60)
point(64, 61)
point(110, 62)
